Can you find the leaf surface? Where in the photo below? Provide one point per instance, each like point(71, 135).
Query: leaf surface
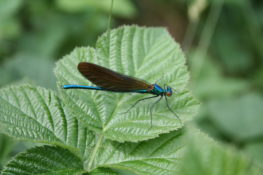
point(241, 118)
point(205, 156)
point(146, 53)
point(159, 156)
point(37, 114)
point(46, 160)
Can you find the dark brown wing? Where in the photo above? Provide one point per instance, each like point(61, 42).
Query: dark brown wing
point(109, 79)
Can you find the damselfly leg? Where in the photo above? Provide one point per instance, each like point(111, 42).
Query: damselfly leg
point(170, 109)
point(138, 102)
point(152, 108)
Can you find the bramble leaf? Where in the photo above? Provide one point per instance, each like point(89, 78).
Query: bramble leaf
point(37, 114)
point(203, 155)
point(241, 118)
point(44, 160)
point(146, 53)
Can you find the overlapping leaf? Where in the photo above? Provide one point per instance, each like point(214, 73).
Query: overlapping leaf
point(205, 156)
point(159, 156)
point(240, 118)
point(150, 54)
point(44, 160)
point(154, 157)
point(38, 115)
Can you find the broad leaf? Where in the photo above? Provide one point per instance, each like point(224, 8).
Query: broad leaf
point(37, 70)
point(37, 114)
point(209, 81)
point(204, 156)
point(158, 156)
point(146, 53)
point(240, 118)
point(44, 160)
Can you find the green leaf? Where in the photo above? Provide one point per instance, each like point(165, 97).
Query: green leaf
point(147, 53)
point(158, 156)
point(240, 118)
point(205, 156)
point(41, 75)
point(255, 150)
point(44, 160)
point(125, 172)
point(210, 81)
point(103, 171)
point(37, 114)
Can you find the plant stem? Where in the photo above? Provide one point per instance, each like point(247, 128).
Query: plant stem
point(109, 22)
point(108, 29)
point(207, 33)
point(189, 36)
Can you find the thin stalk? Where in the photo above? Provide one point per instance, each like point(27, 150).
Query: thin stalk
point(189, 35)
point(109, 21)
point(108, 30)
point(207, 34)
point(194, 12)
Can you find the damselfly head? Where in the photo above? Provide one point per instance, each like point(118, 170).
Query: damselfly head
point(169, 91)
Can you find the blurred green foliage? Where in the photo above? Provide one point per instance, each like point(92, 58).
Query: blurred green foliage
point(33, 34)
point(227, 75)
point(226, 60)
point(122, 8)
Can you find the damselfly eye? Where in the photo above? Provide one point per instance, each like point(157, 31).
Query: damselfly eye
point(169, 91)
